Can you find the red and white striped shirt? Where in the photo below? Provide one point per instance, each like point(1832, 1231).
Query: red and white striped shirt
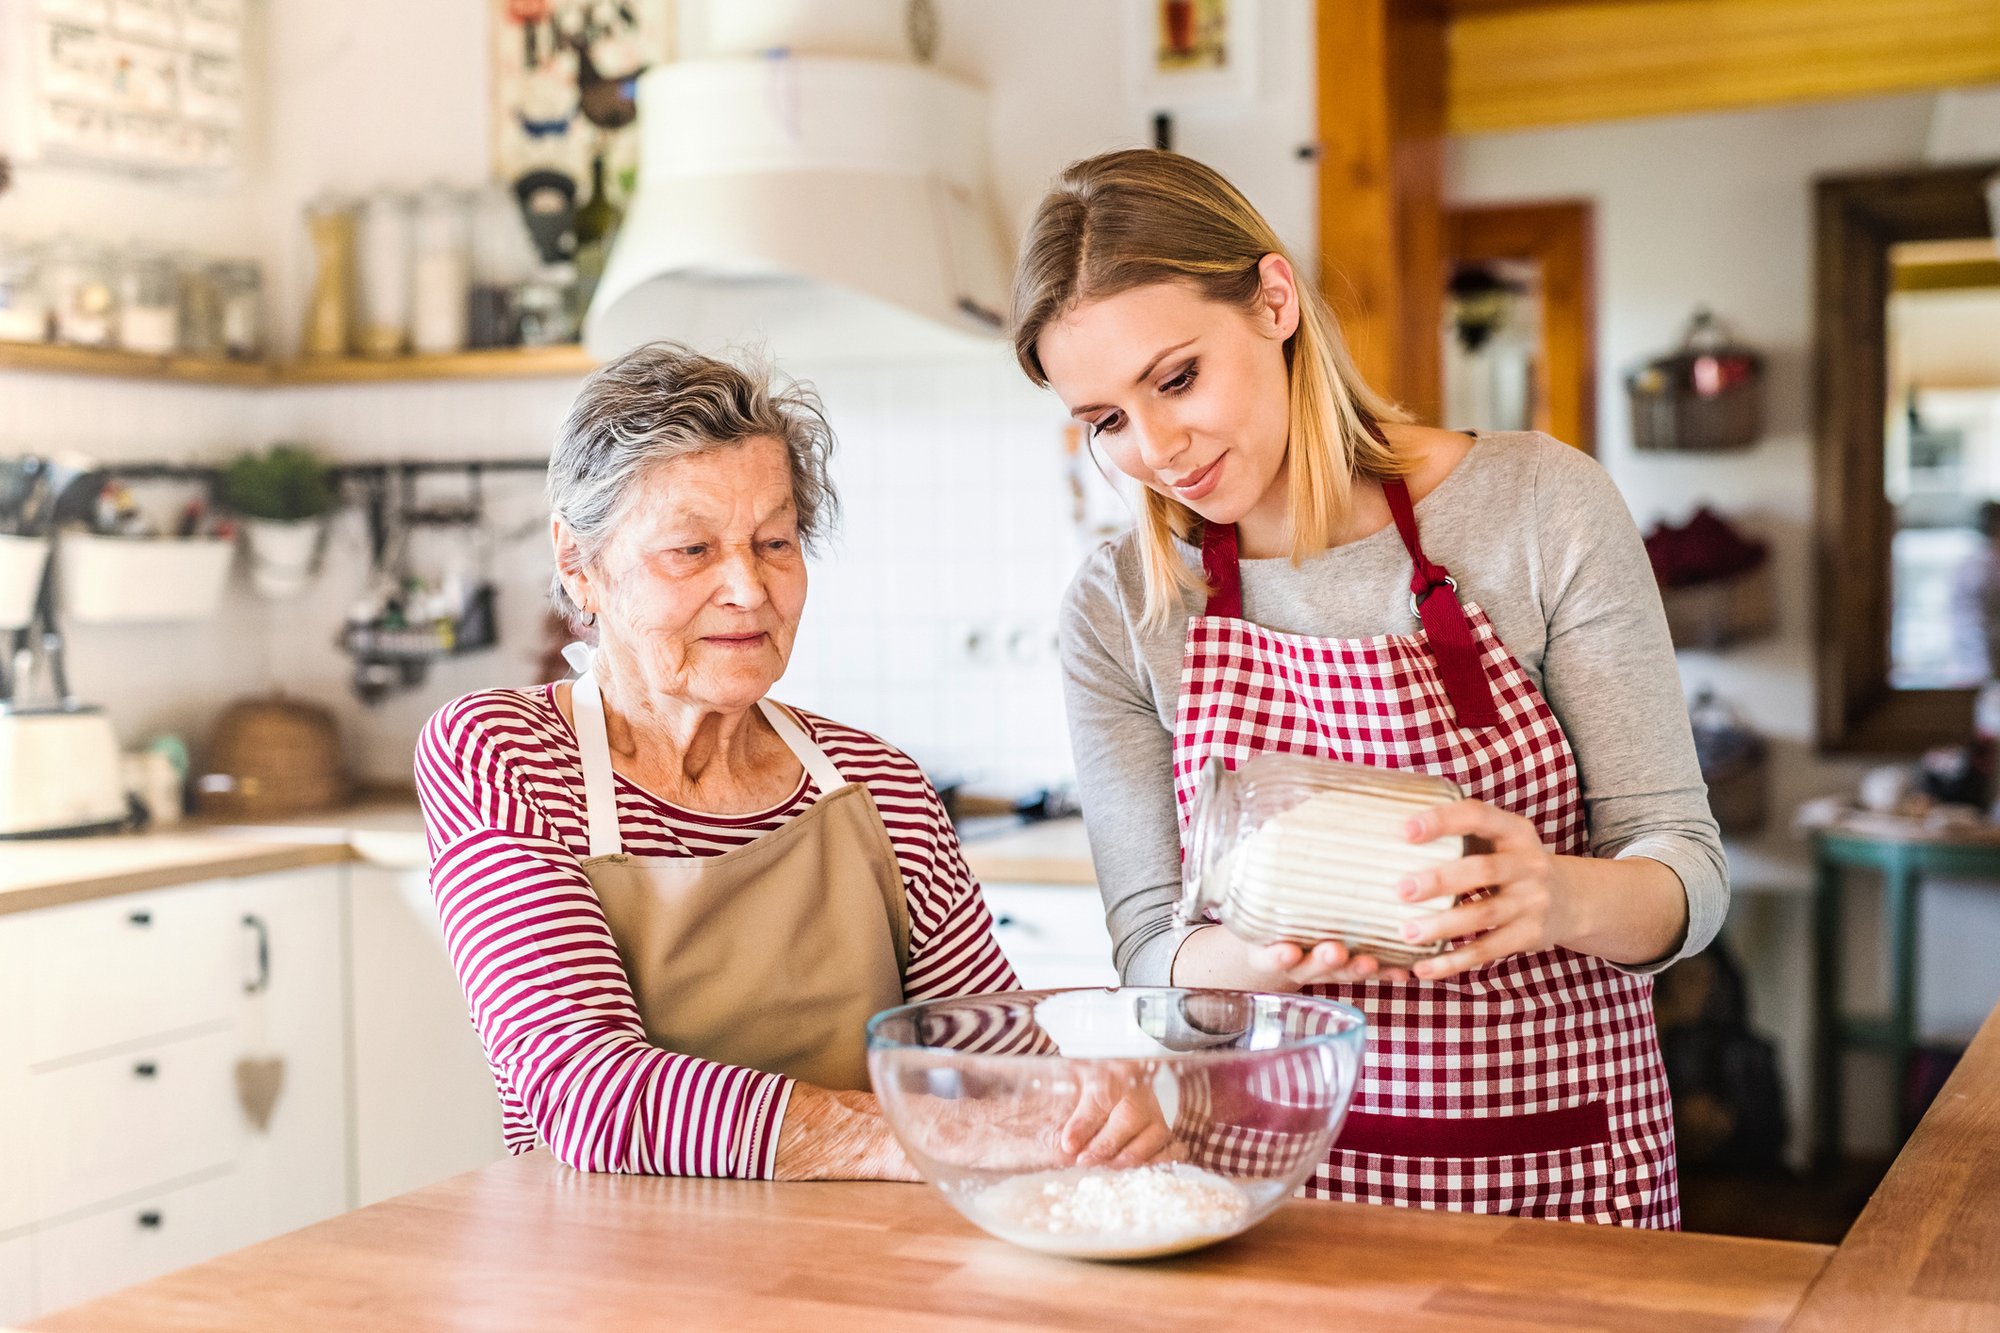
point(500, 779)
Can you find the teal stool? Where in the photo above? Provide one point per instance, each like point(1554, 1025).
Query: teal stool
point(1904, 860)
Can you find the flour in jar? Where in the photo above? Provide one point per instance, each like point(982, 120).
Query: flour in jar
point(1101, 1213)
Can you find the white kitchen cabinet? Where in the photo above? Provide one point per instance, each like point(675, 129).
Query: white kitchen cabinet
point(138, 1120)
point(16, 1202)
point(128, 1029)
point(86, 1257)
point(424, 1104)
point(292, 1010)
point(17, 1280)
point(1053, 934)
point(127, 968)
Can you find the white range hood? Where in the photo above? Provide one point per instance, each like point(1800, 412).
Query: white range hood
point(826, 207)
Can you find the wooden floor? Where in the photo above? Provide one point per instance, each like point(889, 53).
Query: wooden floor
point(1819, 1207)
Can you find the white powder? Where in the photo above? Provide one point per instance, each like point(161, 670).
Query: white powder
point(1101, 1213)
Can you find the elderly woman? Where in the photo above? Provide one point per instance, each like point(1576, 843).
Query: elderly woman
point(672, 902)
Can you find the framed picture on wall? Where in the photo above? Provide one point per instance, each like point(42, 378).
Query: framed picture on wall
point(563, 86)
point(1189, 54)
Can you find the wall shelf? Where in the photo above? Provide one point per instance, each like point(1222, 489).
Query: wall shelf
point(493, 363)
point(52, 358)
point(485, 364)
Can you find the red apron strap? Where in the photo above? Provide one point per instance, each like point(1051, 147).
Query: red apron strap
point(1218, 561)
point(1453, 644)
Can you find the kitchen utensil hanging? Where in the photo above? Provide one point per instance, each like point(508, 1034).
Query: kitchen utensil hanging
point(405, 623)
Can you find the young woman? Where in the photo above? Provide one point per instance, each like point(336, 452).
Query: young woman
point(1311, 572)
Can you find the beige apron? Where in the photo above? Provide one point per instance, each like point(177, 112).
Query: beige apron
point(772, 955)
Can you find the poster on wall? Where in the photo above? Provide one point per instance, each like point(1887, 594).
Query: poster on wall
point(1190, 54)
point(564, 76)
point(152, 86)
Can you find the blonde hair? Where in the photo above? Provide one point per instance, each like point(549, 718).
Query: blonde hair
point(1139, 216)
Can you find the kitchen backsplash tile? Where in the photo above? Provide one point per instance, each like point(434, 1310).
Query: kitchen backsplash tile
point(932, 613)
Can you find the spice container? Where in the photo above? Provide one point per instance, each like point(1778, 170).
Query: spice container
point(24, 307)
point(503, 257)
point(200, 307)
point(1289, 848)
point(328, 314)
point(385, 256)
point(441, 284)
point(543, 307)
point(239, 286)
point(82, 297)
point(149, 313)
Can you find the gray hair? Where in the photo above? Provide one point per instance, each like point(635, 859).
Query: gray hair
point(665, 401)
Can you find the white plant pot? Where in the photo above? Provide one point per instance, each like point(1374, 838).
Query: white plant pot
point(143, 580)
point(22, 560)
point(284, 555)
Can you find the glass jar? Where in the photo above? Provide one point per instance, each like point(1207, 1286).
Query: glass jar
point(149, 304)
point(83, 299)
point(24, 306)
point(201, 307)
point(441, 274)
point(330, 220)
point(239, 286)
point(1292, 848)
point(503, 257)
point(544, 309)
point(384, 259)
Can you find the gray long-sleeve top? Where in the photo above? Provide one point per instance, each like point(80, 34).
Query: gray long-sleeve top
point(1538, 536)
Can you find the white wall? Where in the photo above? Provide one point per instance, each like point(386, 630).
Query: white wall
point(1716, 210)
point(953, 477)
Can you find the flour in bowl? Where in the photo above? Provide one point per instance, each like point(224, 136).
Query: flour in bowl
point(1101, 1213)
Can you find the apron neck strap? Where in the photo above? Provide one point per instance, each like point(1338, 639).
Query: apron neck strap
point(1461, 666)
point(809, 755)
point(1218, 562)
point(600, 792)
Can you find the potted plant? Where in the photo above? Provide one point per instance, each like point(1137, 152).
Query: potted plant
point(284, 496)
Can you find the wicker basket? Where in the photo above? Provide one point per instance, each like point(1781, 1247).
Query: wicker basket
point(1723, 612)
point(1735, 763)
point(1708, 397)
point(273, 756)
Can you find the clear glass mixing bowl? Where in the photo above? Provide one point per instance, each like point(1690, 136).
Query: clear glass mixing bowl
point(1116, 1124)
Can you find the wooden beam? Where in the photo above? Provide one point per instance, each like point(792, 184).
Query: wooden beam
point(1557, 238)
point(1381, 188)
point(1599, 60)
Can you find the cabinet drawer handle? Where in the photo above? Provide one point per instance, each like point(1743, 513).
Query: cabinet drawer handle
point(140, 918)
point(251, 921)
point(1004, 920)
point(145, 1069)
point(151, 1219)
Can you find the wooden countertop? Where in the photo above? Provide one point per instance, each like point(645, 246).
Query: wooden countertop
point(1925, 1252)
point(528, 1244)
point(1055, 852)
point(49, 872)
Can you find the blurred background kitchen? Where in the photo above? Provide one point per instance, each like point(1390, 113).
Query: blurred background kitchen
point(293, 297)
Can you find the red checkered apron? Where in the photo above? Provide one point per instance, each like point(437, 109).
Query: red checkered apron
point(1531, 1086)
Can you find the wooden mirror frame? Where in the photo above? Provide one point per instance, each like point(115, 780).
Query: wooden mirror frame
point(1858, 220)
point(1557, 238)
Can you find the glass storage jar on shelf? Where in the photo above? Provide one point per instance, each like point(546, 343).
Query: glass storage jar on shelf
point(201, 307)
point(329, 310)
point(148, 303)
point(239, 285)
point(83, 299)
point(441, 283)
point(1290, 848)
point(24, 304)
point(384, 257)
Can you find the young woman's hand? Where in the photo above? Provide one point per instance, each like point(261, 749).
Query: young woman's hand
point(1328, 963)
point(1524, 910)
